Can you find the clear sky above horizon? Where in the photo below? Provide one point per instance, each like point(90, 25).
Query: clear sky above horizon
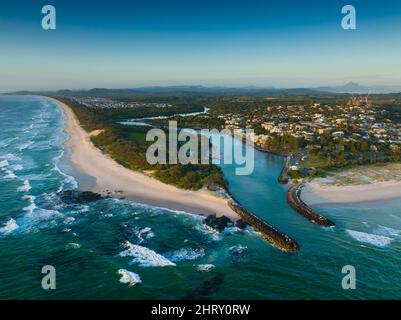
point(119, 43)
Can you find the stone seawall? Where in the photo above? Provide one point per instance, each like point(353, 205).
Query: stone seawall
point(276, 237)
point(283, 177)
point(295, 201)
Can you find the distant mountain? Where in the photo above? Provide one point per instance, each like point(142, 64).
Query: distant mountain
point(353, 87)
point(350, 87)
point(177, 90)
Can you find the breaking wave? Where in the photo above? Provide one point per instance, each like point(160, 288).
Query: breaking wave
point(10, 175)
point(144, 257)
point(17, 167)
point(25, 145)
point(9, 227)
point(39, 218)
point(238, 249)
point(129, 277)
point(211, 234)
point(10, 157)
point(230, 230)
point(4, 163)
point(68, 179)
point(369, 238)
point(144, 234)
point(185, 254)
point(73, 245)
point(25, 187)
point(32, 206)
point(6, 143)
point(205, 267)
point(387, 231)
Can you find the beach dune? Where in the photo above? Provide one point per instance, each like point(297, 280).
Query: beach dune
point(109, 176)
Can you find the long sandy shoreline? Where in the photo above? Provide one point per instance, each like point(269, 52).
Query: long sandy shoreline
point(315, 193)
point(109, 176)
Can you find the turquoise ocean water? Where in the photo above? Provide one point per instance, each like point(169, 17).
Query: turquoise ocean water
point(172, 253)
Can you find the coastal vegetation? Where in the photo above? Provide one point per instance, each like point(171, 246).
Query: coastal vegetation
point(128, 145)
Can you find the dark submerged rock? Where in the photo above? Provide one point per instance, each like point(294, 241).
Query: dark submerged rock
point(208, 289)
point(218, 223)
point(74, 196)
point(241, 224)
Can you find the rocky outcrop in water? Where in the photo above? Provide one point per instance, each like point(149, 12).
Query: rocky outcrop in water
point(75, 196)
point(218, 223)
point(241, 224)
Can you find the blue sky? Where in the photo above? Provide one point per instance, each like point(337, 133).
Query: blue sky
point(119, 43)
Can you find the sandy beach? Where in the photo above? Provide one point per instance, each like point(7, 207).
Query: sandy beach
point(314, 193)
point(108, 175)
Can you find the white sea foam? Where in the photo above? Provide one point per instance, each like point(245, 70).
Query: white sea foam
point(238, 249)
point(145, 234)
point(17, 167)
point(373, 239)
point(82, 209)
point(4, 163)
point(6, 143)
point(210, 233)
point(387, 231)
point(10, 175)
point(38, 218)
point(73, 245)
point(162, 210)
point(185, 254)
point(67, 219)
point(144, 257)
point(129, 277)
point(32, 205)
point(230, 230)
point(25, 187)
point(10, 157)
point(205, 267)
point(330, 229)
point(25, 145)
point(9, 227)
point(68, 179)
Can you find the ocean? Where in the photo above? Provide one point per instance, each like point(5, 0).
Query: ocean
point(118, 249)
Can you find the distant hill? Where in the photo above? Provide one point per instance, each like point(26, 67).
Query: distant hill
point(353, 87)
point(183, 91)
point(176, 90)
